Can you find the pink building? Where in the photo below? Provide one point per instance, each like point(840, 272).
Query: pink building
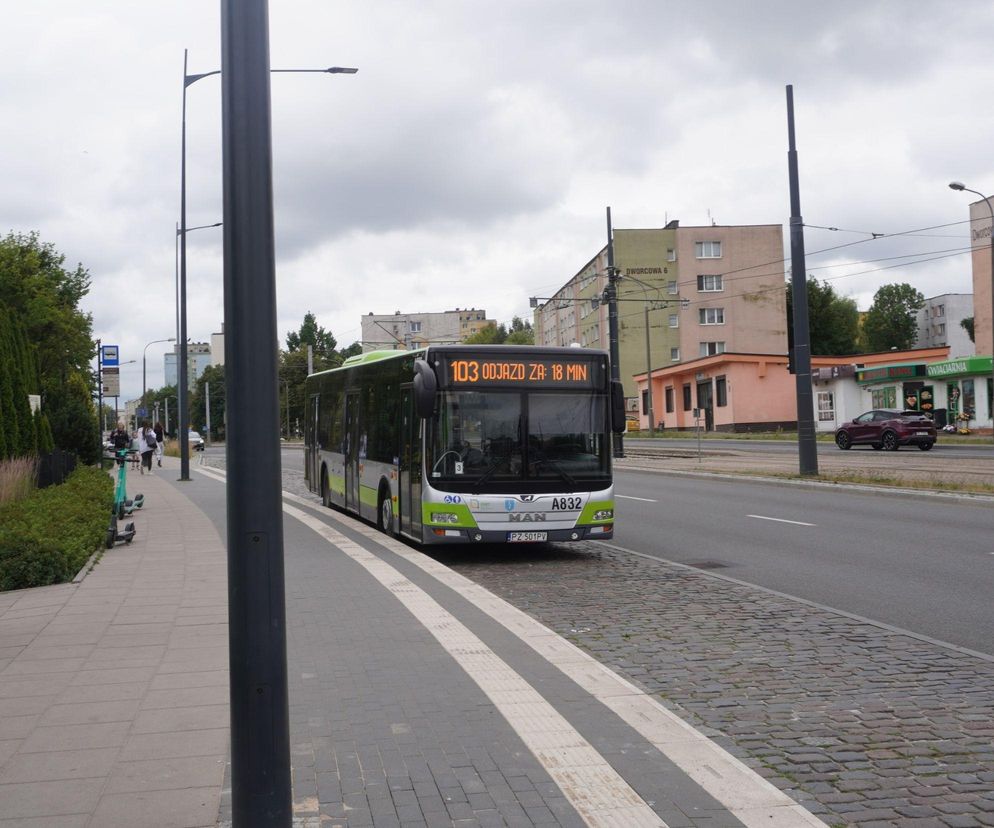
point(755, 392)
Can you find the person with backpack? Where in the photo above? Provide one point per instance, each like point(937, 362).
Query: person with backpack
point(146, 446)
point(159, 442)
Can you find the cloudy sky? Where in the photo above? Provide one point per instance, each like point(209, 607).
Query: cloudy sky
point(470, 160)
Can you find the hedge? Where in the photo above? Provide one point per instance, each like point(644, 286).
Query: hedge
point(47, 537)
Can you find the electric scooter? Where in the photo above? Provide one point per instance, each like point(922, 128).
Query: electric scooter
point(122, 506)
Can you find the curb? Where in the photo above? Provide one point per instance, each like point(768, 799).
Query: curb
point(90, 563)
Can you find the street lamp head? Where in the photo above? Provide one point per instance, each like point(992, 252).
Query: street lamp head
point(957, 185)
point(341, 70)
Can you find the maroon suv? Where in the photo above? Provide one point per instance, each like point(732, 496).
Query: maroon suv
point(887, 430)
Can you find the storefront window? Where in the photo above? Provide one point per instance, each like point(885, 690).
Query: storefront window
point(884, 397)
point(969, 399)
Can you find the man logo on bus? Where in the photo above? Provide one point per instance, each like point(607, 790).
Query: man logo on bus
point(509, 505)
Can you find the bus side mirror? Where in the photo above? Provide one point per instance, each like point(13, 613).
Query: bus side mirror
point(617, 407)
point(425, 389)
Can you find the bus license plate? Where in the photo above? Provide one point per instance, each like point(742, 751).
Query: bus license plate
point(526, 537)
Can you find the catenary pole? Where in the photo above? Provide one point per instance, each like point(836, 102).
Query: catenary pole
point(807, 448)
point(260, 745)
point(612, 325)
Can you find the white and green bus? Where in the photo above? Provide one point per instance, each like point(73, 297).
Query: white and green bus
point(463, 444)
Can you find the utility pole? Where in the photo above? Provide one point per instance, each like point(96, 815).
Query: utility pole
point(807, 448)
point(260, 718)
point(207, 411)
point(617, 440)
point(100, 397)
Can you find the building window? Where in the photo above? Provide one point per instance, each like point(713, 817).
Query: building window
point(415, 327)
point(674, 320)
point(674, 354)
point(707, 283)
point(669, 400)
point(687, 404)
point(940, 329)
point(884, 397)
point(670, 254)
point(721, 391)
point(712, 348)
point(671, 287)
point(826, 407)
point(711, 316)
point(708, 249)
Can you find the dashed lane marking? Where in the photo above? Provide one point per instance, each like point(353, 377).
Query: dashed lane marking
point(629, 497)
point(781, 520)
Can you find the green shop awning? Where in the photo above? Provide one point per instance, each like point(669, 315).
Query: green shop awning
point(962, 367)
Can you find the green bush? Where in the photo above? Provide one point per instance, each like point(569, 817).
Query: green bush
point(47, 537)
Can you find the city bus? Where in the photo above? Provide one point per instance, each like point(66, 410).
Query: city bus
point(468, 444)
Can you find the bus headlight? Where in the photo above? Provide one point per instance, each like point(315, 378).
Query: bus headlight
point(604, 514)
point(444, 517)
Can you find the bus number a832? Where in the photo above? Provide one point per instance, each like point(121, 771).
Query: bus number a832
point(566, 504)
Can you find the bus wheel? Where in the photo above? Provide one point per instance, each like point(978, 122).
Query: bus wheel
point(386, 511)
point(325, 491)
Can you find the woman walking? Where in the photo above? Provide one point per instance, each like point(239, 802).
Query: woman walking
point(146, 446)
point(160, 436)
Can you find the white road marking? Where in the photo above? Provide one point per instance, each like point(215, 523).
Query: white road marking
point(629, 497)
point(753, 800)
point(781, 520)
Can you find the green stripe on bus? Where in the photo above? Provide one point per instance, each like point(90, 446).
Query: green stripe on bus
point(336, 484)
point(369, 496)
point(463, 517)
point(587, 515)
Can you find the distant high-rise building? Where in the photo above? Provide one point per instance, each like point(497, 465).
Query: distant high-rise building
point(939, 323)
point(198, 357)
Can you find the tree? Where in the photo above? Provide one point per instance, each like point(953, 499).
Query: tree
point(353, 350)
point(310, 333)
point(890, 322)
point(833, 320)
point(967, 325)
point(521, 333)
point(58, 344)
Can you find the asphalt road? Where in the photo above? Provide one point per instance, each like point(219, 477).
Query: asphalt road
point(972, 451)
point(921, 564)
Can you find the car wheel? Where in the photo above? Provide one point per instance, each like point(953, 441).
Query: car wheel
point(386, 511)
point(877, 446)
point(925, 446)
point(889, 441)
point(843, 440)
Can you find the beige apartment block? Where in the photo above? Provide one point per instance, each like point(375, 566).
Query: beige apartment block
point(983, 276)
point(416, 330)
point(684, 292)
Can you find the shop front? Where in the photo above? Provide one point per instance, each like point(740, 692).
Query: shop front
point(963, 392)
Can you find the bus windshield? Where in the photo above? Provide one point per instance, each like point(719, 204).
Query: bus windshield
point(553, 438)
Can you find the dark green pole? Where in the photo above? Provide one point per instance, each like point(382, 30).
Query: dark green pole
point(612, 324)
point(260, 743)
point(807, 447)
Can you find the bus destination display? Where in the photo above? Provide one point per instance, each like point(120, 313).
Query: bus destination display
point(537, 372)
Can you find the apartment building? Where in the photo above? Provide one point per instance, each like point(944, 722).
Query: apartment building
point(684, 293)
point(198, 357)
point(939, 323)
point(416, 330)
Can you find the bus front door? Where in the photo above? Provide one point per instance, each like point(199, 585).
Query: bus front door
point(410, 465)
point(352, 451)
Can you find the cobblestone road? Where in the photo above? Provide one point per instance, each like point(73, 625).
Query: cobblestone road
point(862, 725)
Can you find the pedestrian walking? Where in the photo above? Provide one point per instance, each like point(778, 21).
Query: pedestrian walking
point(146, 446)
point(160, 442)
point(120, 439)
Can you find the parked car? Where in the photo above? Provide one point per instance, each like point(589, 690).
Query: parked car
point(888, 430)
point(196, 441)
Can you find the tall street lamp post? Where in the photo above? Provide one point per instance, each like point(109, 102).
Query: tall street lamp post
point(144, 384)
point(182, 230)
point(959, 185)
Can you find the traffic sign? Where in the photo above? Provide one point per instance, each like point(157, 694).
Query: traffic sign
point(142, 412)
point(109, 356)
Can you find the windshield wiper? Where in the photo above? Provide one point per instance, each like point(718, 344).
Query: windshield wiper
point(565, 475)
point(489, 470)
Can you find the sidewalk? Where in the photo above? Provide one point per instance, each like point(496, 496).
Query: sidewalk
point(114, 691)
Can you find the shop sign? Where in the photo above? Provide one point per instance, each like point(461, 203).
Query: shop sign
point(957, 367)
point(890, 372)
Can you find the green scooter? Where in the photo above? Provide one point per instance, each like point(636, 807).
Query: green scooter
point(122, 506)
